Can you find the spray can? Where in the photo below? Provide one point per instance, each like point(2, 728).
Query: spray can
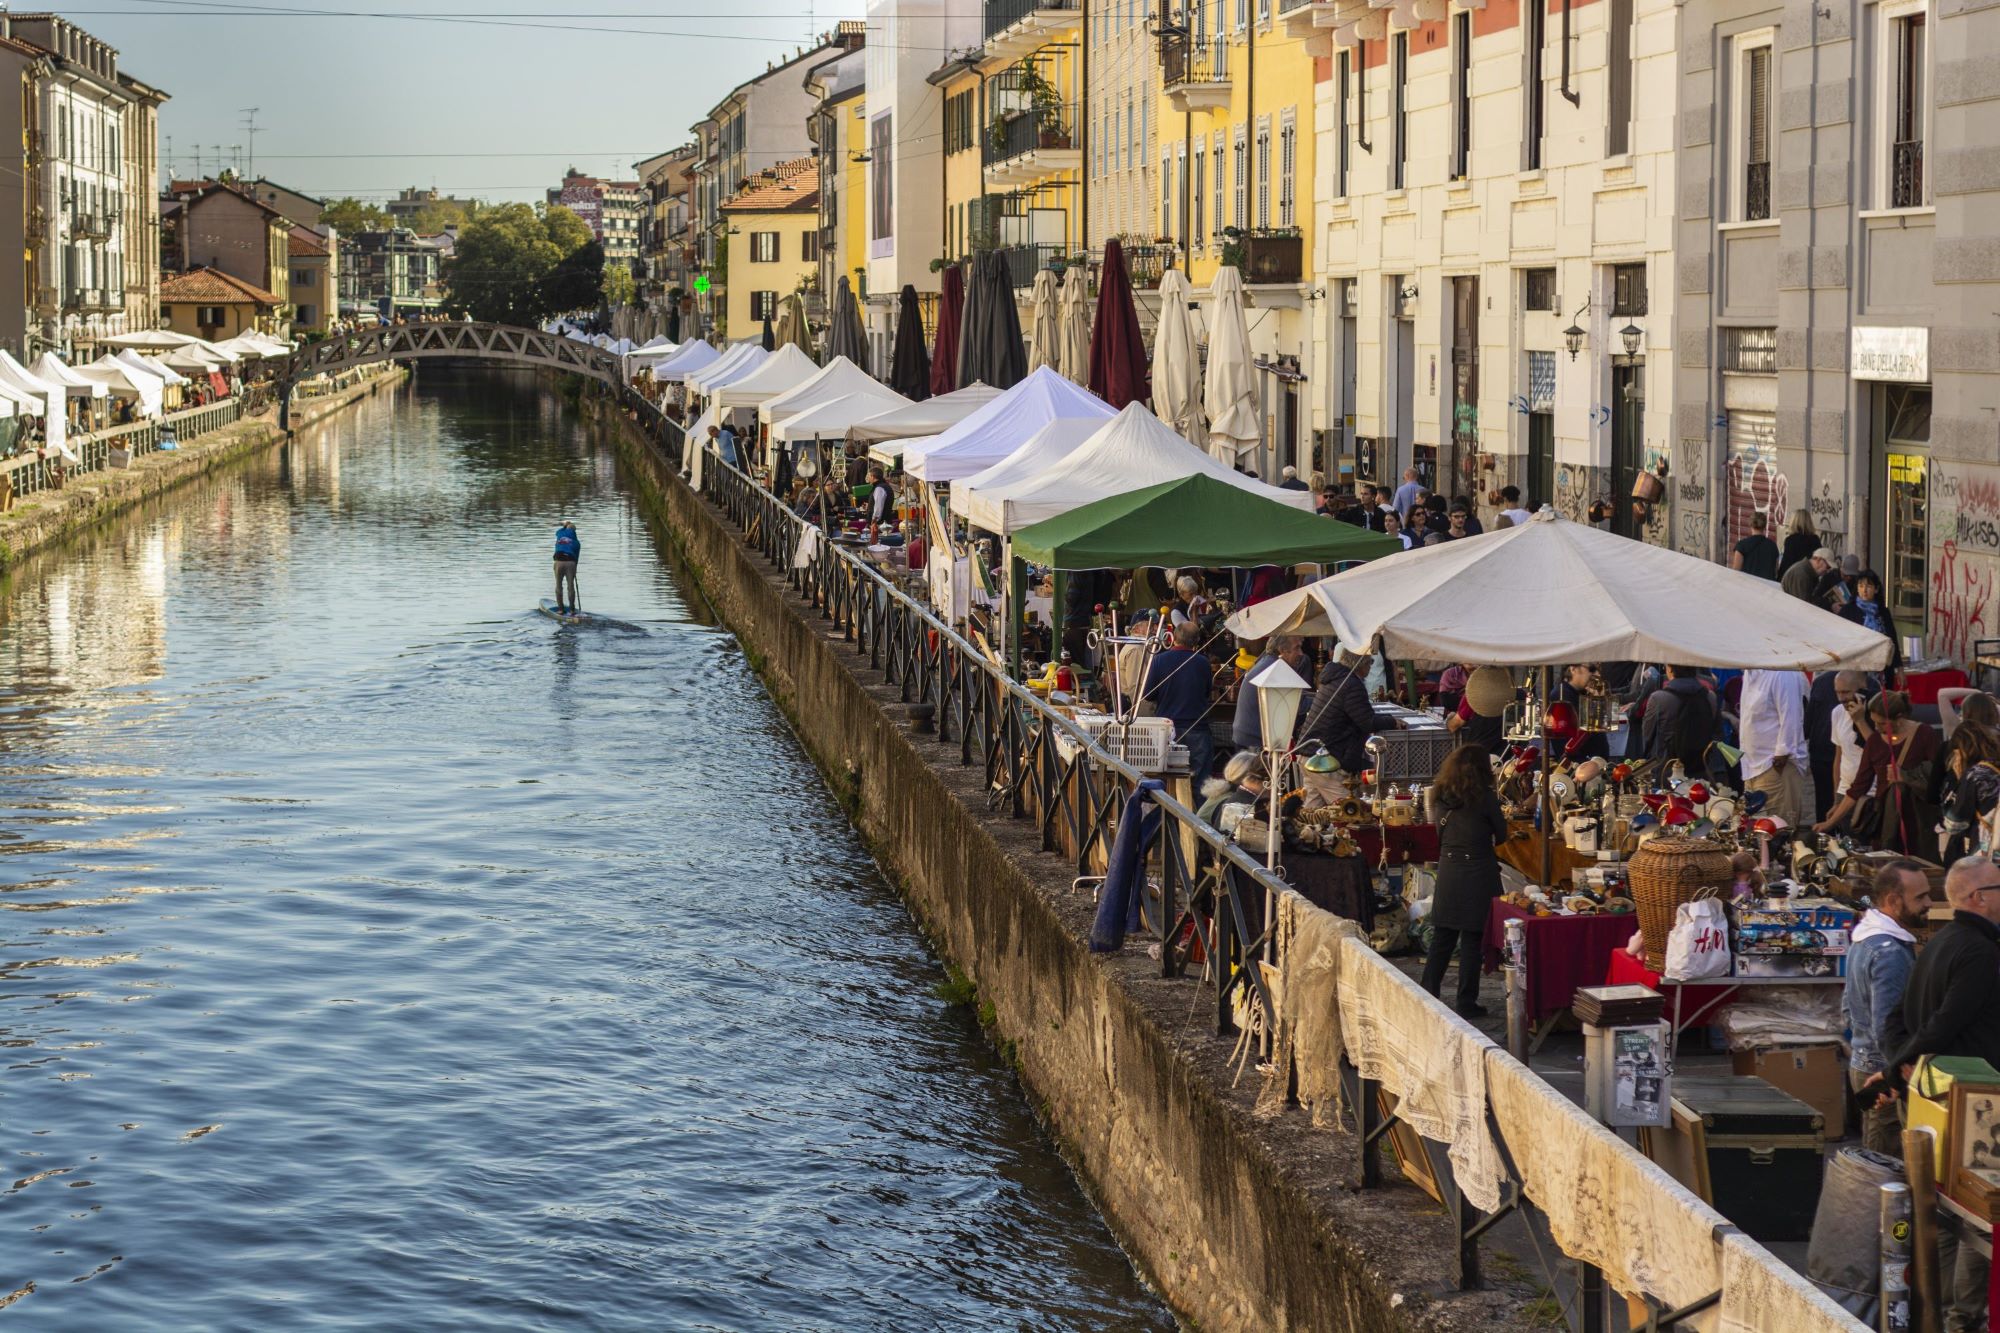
point(1895, 1253)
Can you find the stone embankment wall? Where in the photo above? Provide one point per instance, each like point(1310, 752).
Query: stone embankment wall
point(1242, 1223)
point(46, 517)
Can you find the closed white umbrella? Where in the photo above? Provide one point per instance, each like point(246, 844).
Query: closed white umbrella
point(1550, 591)
point(1176, 362)
point(1229, 388)
point(1045, 323)
point(1074, 359)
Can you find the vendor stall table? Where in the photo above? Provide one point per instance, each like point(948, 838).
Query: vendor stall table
point(1407, 844)
point(1561, 953)
point(1692, 1003)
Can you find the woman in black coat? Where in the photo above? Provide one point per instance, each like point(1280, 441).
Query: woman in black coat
point(1471, 825)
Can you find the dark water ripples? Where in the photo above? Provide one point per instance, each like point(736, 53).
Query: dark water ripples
point(374, 954)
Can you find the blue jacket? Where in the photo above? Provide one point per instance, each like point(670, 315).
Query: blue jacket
point(568, 547)
point(1179, 683)
point(1878, 969)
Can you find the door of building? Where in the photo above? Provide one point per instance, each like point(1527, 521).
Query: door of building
point(1628, 417)
point(1464, 429)
point(1902, 421)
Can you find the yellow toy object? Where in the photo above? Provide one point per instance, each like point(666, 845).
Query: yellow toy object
point(1244, 659)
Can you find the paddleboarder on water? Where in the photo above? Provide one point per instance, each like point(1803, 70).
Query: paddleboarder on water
point(568, 550)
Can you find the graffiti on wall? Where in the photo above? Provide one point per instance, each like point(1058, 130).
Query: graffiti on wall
point(1573, 493)
point(1829, 516)
point(1962, 587)
point(1690, 492)
point(1964, 520)
point(1755, 486)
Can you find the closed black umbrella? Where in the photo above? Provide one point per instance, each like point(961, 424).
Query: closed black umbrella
point(770, 337)
point(910, 364)
point(968, 321)
point(1000, 357)
point(844, 334)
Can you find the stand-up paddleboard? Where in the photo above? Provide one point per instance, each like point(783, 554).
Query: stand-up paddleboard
point(548, 608)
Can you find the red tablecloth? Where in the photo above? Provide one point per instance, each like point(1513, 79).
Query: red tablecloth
point(1563, 952)
point(1923, 686)
point(1408, 843)
point(1698, 1002)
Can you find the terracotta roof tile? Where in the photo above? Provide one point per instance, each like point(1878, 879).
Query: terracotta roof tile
point(207, 286)
point(305, 241)
point(788, 187)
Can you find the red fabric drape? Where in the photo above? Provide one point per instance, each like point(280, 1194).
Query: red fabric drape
point(1119, 373)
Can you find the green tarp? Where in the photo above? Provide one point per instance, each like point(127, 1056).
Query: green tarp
point(1194, 521)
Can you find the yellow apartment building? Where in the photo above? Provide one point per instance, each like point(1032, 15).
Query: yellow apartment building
point(772, 230)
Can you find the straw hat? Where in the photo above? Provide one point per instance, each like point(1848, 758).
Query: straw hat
point(1489, 690)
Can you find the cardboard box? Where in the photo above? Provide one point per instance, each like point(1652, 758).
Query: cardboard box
point(1790, 939)
point(1816, 1075)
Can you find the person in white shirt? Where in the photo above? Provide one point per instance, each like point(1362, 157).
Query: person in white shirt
point(1771, 722)
point(1848, 689)
point(1510, 505)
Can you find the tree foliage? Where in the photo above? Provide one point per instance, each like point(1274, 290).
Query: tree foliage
point(435, 216)
point(516, 264)
point(348, 216)
point(617, 287)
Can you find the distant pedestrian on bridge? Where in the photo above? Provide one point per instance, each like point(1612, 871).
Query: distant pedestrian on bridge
point(569, 548)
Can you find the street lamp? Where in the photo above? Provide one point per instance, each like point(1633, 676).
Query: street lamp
point(1633, 336)
point(1573, 339)
point(1280, 691)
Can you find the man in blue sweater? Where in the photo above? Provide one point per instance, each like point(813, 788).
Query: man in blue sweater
point(1880, 955)
point(1179, 684)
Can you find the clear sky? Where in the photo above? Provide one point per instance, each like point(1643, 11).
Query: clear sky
point(484, 97)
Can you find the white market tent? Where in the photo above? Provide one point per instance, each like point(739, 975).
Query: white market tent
point(50, 368)
point(1043, 450)
point(654, 344)
point(193, 360)
point(838, 378)
point(997, 429)
point(830, 420)
point(137, 362)
point(217, 351)
point(1133, 451)
point(243, 345)
point(778, 372)
point(731, 366)
point(1552, 590)
point(930, 417)
point(125, 382)
point(692, 357)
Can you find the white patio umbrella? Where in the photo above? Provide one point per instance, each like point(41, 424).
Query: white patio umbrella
point(1045, 323)
point(1075, 313)
point(150, 340)
point(1229, 388)
point(193, 361)
point(1552, 591)
point(228, 356)
point(244, 347)
point(1176, 361)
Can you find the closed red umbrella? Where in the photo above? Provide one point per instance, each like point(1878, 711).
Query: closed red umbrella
point(1118, 370)
point(951, 309)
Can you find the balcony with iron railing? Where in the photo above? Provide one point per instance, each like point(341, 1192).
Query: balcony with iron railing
point(1027, 146)
point(1194, 71)
point(1906, 174)
point(1025, 261)
point(1016, 27)
point(1756, 191)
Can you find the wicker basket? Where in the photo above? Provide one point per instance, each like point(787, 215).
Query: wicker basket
point(1667, 872)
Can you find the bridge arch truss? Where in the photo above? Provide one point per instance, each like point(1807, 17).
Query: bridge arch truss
point(504, 343)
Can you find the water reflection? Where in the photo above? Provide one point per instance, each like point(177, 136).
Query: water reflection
point(379, 953)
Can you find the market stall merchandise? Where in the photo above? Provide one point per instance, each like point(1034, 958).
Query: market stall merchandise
point(1562, 953)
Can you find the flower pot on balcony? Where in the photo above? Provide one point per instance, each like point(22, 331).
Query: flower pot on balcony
point(1054, 136)
point(1273, 258)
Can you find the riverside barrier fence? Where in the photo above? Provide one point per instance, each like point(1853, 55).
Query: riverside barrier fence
point(1356, 1044)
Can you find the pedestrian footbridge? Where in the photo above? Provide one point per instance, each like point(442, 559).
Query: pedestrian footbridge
point(500, 343)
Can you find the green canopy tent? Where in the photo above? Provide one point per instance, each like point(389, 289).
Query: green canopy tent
point(1197, 520)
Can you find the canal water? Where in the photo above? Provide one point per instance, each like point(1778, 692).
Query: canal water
point(376, 953)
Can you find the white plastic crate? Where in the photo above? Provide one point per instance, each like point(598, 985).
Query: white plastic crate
point(1142, 743)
